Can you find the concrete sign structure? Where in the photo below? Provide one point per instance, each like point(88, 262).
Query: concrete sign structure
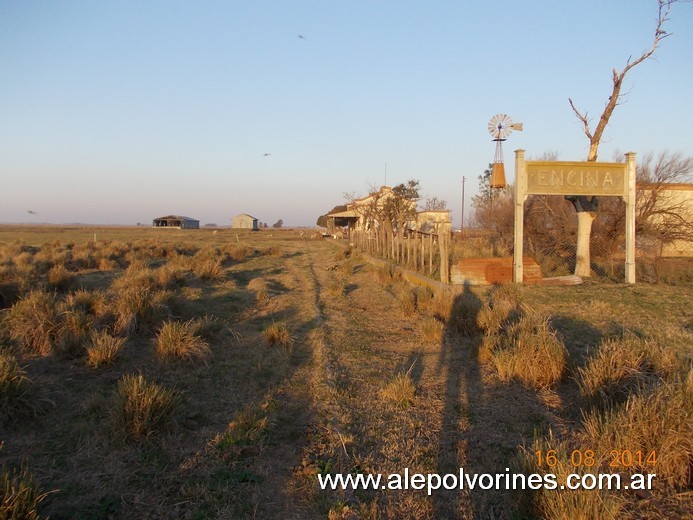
point(574, 178)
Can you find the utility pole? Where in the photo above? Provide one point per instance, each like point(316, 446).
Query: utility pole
point(462, 221)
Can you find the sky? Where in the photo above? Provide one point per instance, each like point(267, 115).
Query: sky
point(117, 112)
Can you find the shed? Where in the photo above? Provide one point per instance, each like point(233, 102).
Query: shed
point(245, 221)
point(176, 221)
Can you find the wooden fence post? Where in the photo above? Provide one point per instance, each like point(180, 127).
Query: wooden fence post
point(443, 243)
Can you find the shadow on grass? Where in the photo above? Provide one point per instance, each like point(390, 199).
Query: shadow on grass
point(485, 419)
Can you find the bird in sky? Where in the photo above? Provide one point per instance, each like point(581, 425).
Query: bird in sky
point(301, 37)
point(31, 212)
point(267, 155)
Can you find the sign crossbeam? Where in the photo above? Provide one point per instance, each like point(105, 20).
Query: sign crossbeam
point(574, 178)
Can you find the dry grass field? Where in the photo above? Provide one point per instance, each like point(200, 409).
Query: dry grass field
point(191, 374)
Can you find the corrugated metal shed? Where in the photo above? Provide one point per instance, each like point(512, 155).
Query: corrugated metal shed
point(176, 221)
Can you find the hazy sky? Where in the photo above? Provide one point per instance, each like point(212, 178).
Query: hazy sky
point(122, 111)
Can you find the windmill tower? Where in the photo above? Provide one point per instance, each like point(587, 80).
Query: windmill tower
point(500, 126)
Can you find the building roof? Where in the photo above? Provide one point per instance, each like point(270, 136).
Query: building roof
point(178, 217)
point(342, 214)
point(245, 215)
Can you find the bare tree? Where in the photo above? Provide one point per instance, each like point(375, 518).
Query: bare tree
point(587, 206)
point(660, 213)
point(435, 204)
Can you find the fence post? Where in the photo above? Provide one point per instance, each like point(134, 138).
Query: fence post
point(443, 244)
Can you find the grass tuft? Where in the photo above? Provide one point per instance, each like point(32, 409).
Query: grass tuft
point(336, 286)
point(60, 279)
point(386, 273)
point(103, 349)
point(529, 351)
point(209, 269)
point(557, 504)
point(178, 340)
point(624, 366)
point(13, 382)
point(248, 430)
point(140, 408)
point(279, 335)
point(400, 390)
point(407, 300)
point(433, 330)
point(21, 495)
point(34, 322)
point(659, 420)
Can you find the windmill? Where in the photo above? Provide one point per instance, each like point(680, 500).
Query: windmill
point(500, 126)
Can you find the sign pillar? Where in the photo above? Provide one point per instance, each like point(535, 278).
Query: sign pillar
point(520, 196)
point(630, 218)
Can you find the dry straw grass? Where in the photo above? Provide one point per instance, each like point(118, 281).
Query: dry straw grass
point(407, 300)
point(60, 279)
point(400, 390)
point(433, 330)
point(248, 430)
point(178, 340)
point(660, 420)
point(278, 334)
point(212, 328)
point(74, 328)
point(209, 269)
point(274, 251)
point(441, 305)
point(336, 286)
point(103, 349)
point(14, 383)
point(502, 305)
point(386, 273)
point(21, 495)
point(623, 367)
point(34, 322)
point(561, 504)
point(140, 408)
point(239, 253)
point(529, 351)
